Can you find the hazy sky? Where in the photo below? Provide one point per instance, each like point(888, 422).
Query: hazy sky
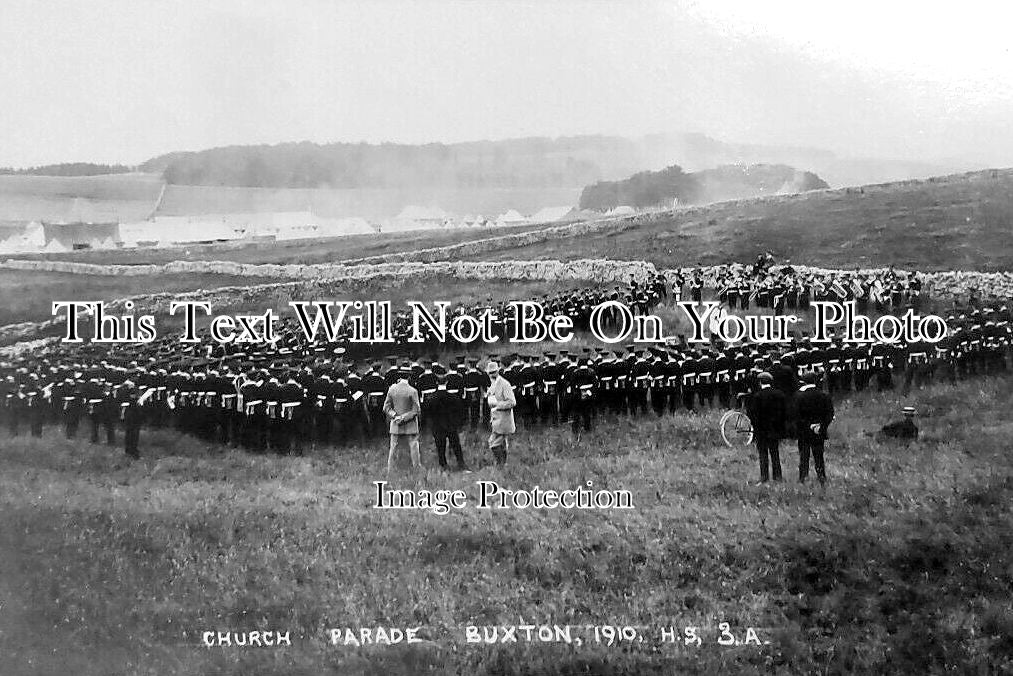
point(121, 81)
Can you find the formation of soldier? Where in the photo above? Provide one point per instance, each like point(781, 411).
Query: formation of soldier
point(784, 289)
point(302, 395)
point(577, 304)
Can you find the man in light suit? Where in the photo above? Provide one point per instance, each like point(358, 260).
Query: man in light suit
point(402, 410)
point(501, 400)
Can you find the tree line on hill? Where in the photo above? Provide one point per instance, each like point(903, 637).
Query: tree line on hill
point(673, 186)
point(516, 163)
point(68, 169)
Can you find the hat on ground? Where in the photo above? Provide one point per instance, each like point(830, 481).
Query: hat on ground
point(908, 410)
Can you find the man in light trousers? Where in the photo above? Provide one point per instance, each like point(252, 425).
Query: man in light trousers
point(501, 400)
point(402, 409)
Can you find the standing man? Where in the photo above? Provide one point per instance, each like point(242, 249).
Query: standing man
point(402, 410)
point(768, 418)
point(445, 413)
point(814, 413)
point(501, 400)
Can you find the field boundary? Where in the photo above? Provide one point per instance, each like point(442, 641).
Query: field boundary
point(949, 284)
point(316, 286)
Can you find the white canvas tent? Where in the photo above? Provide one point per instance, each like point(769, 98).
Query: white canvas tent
point(339, 227)
point(416, 218)
point(511, 217)
point(32, 237)
point(550, 214)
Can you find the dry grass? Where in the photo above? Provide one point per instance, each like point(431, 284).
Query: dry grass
point(947, 223)
point(29, 296)
point(902, 565)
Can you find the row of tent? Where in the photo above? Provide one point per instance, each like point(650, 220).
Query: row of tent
point(169, 231)
point(427, 218)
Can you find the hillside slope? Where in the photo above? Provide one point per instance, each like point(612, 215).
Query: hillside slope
point(672, 185)
point(963, 221)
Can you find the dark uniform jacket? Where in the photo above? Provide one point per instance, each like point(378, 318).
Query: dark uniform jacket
point(814, 406)
point(444, 411)
point(768, 413)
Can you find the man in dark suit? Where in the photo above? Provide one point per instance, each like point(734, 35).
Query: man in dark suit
point(814, 412)
point(767, 413)
point(445, 413)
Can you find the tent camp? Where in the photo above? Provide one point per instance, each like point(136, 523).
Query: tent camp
point(339, 227)
point(23, 238)
point(550, 214)
point(74, 236)
point(416, 218)
point(511, 217)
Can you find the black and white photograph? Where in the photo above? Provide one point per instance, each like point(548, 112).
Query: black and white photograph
point(505, 337)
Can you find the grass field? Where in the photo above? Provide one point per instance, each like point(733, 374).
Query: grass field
point(902, 565)
point(946, 223)
point(29, 296)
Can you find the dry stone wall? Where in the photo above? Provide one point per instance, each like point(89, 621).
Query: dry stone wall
point(310, 282)
point(949, 284)
point(588, 269)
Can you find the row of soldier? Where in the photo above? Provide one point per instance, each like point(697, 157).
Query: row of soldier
point(305, 399)
point(784, 288)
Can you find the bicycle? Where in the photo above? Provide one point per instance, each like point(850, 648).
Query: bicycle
point(736, 427)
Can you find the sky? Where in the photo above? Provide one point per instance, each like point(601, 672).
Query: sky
point(120, 81)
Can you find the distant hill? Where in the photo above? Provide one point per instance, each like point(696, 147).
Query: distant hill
point(958, 222)
point(378, 181)
point(673, 185)
point(68, 169)
point(530, 163)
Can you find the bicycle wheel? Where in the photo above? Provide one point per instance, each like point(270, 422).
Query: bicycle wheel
point(736, 430)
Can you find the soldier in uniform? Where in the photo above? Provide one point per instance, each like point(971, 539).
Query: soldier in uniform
point(688, 368)
point(705, 370)
point(254, 433)
point(659, 381)
point(882, 355)
point(291, 399)
point(12, 404)
point(446, 413)
point(581, 385)
point(475, 384)
point(130, 403)
point(529, 379)
point(375, 389)
point(355, 419)
point(548, 398)
point(723, 367)
point(639, 383)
